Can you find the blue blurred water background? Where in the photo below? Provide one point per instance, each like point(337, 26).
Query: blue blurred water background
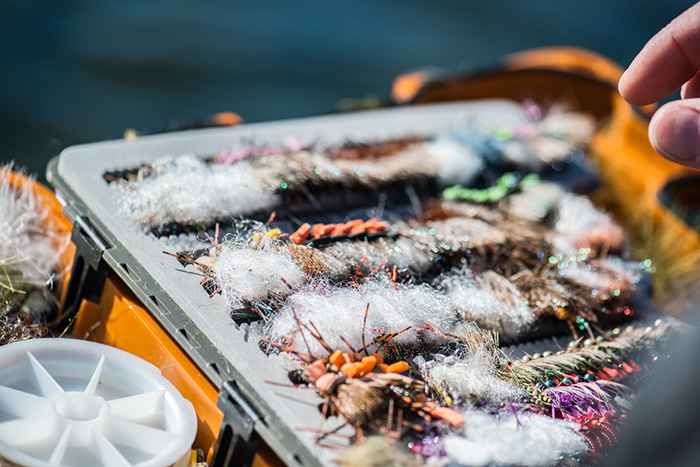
point(80, 71)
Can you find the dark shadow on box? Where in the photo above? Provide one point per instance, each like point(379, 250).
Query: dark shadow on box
point(664, 427)
point(682, 197)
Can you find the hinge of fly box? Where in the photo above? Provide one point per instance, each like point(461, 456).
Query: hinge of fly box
point(89, 271)
point(238, 441)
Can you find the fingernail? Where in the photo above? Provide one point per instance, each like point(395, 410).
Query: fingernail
point(676, 135)
point(620, 83)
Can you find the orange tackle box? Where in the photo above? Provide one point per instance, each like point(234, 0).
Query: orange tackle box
point(124, 292)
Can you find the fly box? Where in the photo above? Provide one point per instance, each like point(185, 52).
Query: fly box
point(147, 276)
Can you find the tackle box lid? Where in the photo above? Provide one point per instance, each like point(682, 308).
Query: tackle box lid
point(284, 417)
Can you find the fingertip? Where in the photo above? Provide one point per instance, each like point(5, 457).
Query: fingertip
point(626, 85)
point(631, 88)
point(674, 132)
point(668, 60)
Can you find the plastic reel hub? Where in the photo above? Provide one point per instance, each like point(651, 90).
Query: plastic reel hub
point(66, 402)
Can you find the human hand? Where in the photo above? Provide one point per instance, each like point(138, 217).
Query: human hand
point(670, 60)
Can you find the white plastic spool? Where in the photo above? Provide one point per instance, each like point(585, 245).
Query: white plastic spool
point(73, 403)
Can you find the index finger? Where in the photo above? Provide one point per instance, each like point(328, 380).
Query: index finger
point(668, 60)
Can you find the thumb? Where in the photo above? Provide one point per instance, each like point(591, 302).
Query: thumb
point(674, 132)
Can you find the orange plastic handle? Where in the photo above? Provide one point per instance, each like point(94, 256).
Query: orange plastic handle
point(574, 60)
